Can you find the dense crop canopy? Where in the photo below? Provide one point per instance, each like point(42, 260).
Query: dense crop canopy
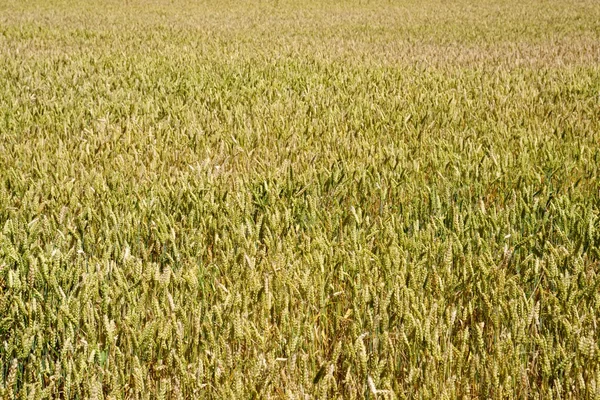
point(282, 199)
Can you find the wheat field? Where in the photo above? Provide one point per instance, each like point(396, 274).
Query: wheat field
point(285, 199)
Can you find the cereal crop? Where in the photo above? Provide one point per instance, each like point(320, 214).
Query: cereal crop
point(294, 199)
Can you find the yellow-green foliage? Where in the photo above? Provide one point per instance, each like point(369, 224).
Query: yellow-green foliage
point(299, 199)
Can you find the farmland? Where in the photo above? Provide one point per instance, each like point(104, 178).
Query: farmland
point(299, 199)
